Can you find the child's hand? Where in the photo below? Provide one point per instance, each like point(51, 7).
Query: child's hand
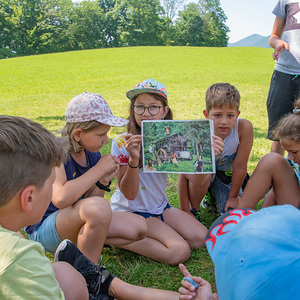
point(218, 144)
point(280, 45)
point(232, 203)
point(133, 145)
point(188, 291)
point(110, 166)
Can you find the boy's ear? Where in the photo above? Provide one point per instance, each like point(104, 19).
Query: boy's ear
point(77, 134)
point(26, 198)
point(205, 113)
point(239, 112)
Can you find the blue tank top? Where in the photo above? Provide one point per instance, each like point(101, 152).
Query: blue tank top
point(73, 170)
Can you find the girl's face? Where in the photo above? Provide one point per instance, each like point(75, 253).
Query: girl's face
point(94, 139)
point(292, 148)
point(146, 102)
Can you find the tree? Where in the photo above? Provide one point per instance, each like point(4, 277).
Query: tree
point(202, 24)
point(8, 31)
point(86, 26)
point(215, 29)
point(189, 27)
point(144, 23)
point(171, 7)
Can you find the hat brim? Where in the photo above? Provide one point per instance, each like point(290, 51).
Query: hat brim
point(114, 121)
point(134, 92)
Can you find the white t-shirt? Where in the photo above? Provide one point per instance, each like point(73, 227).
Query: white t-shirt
point(151, 197)
point(289, 61)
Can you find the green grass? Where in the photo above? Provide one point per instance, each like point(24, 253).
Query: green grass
point(40, 87)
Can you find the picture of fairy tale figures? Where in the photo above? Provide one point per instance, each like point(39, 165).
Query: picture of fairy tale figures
point(187, 148)
point(174, 159)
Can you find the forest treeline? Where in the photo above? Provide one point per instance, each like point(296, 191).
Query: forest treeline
point(29, 27)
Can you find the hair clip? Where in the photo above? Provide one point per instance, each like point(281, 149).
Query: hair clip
point(296, 111)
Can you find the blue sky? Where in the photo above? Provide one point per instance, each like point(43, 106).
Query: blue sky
point(248, 17)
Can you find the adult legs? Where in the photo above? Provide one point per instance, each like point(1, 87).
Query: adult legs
point(284, 89)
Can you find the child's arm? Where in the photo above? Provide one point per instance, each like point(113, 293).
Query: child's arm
point(275, 38)
point(128, 177)
point(240, 162)
point(105, 180)
point(65, 193)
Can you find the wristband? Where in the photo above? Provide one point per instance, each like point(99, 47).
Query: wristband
point(103, 187)
point(132, 166)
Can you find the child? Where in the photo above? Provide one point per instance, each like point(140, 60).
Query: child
point(222, 106)
point(171, 233)
point(256, 256)
point(85, 176)
point(273, 169)
point(28, 155)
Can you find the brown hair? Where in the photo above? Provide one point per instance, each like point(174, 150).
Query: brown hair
point(67, 134)
point(28, 152)
point(132, 126)
point(289, 126)
point(220, 94)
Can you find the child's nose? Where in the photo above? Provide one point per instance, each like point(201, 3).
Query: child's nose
point(106, 140)
point(223, 120)
point(146, 112)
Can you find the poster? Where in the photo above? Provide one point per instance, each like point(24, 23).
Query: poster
point(172, 146)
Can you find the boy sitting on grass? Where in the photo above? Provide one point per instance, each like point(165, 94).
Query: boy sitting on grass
point(28, 155)
point(222, 106)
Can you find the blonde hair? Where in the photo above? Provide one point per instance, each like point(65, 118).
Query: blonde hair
point(28, 152)
point(132, 126)
point(67, 134)
point(220, 94)
point(289, 126)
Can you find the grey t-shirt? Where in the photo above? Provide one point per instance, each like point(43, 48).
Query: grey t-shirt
point(289, 61)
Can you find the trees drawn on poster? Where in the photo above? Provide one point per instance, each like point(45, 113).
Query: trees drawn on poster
point(177, 144)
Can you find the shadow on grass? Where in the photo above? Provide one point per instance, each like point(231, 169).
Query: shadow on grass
point(260, 133)
point(49, 118)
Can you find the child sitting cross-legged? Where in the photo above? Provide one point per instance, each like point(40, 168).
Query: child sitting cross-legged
point(222, 106)
point(171, 233)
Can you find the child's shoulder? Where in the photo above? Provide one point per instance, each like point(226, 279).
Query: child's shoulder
point(16, 246)
point(245, 127)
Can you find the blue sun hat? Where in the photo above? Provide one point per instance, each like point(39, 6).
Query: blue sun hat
point(148, 86)
point(256, 254)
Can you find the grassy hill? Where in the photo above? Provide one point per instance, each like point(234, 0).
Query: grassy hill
point(39, 87)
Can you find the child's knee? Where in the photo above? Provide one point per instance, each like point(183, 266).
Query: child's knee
point(97, 210)
point(271, 159)
point(178, 254)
